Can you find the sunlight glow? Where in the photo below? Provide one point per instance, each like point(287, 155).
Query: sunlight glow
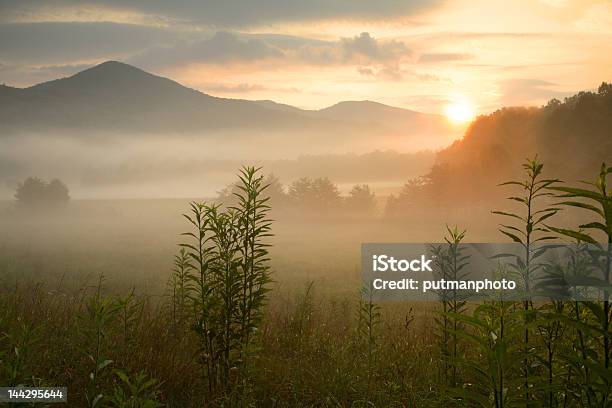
point(459, 111)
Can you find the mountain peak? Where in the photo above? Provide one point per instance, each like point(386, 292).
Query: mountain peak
point(109, 73)
point(112, 68)
point(116, 79)
point(368, 111)
point(352, 104)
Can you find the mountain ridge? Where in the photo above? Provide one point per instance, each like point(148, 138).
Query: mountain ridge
point(118, 97)
point(102, 70)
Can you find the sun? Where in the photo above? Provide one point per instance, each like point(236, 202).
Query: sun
point(459, 111)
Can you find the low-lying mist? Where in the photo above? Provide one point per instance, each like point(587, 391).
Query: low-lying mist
point(128, 166)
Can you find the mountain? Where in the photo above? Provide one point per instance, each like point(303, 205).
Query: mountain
point(119, 98)
point(384, 115)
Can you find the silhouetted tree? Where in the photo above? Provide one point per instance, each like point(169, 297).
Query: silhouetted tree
point(361, 200)
point(300, 191)
point(411, 196)
point(326, 192)
point(35, 192)
point(275, 190)
point(317, 194)
point(605, 89)
point(57, 192)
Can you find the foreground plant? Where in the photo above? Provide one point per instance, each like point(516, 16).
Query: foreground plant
point(100, 313)
point(494, 329)
point(450, 262)
point(594, 356)
point(227, 275)
point(129, 312)
point(529, 229)
point(179, 285)
point(368, 320)
point(254, 226)
point(137, 391)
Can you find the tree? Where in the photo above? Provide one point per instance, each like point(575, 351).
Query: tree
point(410, 197)
point(57, 192)
point(326, 192)
point(317, 194)
point(275, 190)
point(37, 193)
point(605, 89)
point(31, 191)
point(301, 191)
point(361, 199)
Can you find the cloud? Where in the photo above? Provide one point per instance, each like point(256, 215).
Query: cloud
point(366, 71)
point(365, 46)
point(363, 50)
point(222, 47)
point(229, 47)
point(444, 57)
point(62, 43)
point(523, 91)
point(22, 76)
point(41, 51)
point(238, 88)
point(384, 73)
point(237, 13)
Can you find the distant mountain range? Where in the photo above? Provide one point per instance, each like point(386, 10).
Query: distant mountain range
point(119, 98)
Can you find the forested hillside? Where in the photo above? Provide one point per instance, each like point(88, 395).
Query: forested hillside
point(571, 137)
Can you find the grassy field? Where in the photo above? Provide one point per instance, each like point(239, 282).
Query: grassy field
point(85, 302)
point(310, 351)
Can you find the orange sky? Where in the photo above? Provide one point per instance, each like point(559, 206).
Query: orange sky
point(485, 53)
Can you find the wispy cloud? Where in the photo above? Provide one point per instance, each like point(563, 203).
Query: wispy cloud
point(444, 57)
point(222, 47)
point(232, 88)
point(234, 13)
point(61, 43)
point(524, 91)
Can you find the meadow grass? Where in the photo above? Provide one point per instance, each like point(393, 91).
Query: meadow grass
point(313, 340)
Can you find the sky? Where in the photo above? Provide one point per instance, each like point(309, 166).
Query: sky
point(424, 55)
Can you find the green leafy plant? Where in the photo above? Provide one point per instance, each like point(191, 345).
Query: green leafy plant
point(596, 357)
point(528, 230)
point(450, 262)
point(100, 312)
point(227, 275)
point(254, 227)
point(551, 331)
point(15, 361)
point(368, 320)
point(129, 314)
point(201, 296)
point(179, 285)
point(492, 331)
point(136, 391)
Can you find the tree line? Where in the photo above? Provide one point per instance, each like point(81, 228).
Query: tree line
point(316, 195)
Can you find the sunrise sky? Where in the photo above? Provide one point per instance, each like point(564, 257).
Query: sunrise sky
point(454, 57)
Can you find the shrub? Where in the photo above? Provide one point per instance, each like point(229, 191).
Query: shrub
point(36, 193)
